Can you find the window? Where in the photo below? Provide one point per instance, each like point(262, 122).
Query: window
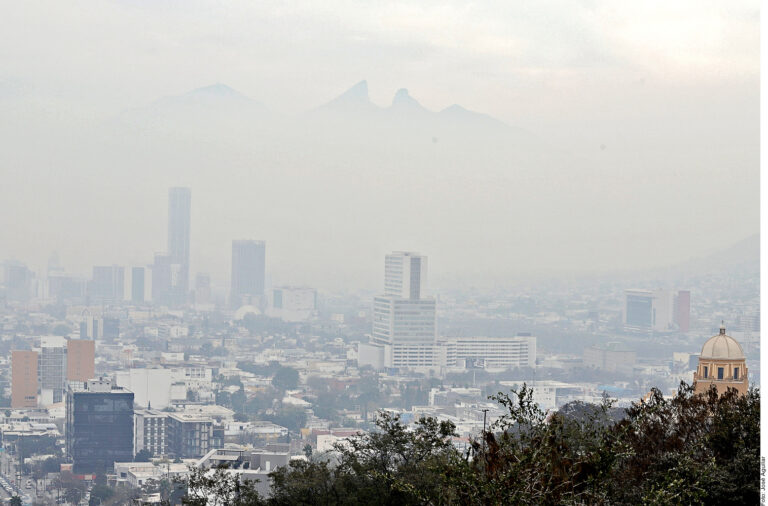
point(735, 373)
point(720, 372)
point(706, 371)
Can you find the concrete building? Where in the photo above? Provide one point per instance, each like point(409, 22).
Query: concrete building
point(162, 279)
point(646, 310)
point(151, 386)
point(721, 363)
point(612, 358)
point(52, 369)
point(203, 294)
point(248, 272)
point(65, 288)
point(190, 435)
point(24, 379)
point(150, 432)
point(99, 426)
point(406, 329)
point(292, 304)
point(551, 395)
point(18, 281)
point(81, 354)
point(91, 327)
point(107, 285)
point(176, 434)
point(179, 211)
point(251, 465)
point(683, 310)
point(405, 275)
point(160, 388)
point(493, 352)
point(138, 474)
point(138, 284)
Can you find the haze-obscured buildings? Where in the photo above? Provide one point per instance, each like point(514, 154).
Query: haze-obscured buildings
point(179, 228)
point(657, 310)
point(612, 357)
point(292, 303)
point(248, 272)
point(107, 285)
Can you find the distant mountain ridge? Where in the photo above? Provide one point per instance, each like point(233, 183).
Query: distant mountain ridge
point(354, 104)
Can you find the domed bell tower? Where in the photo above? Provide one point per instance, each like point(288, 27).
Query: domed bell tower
point(722, 363)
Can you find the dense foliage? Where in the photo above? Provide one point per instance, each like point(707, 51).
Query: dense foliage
point(690, 449)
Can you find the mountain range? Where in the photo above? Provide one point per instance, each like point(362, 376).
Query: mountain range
point(220, 106)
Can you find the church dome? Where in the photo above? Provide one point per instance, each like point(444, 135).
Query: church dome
point(722, 346)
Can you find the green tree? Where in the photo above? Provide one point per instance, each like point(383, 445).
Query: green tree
point(393, 465)
point(61, 330)
point(219, 489)
point(292, 418)
point(285, 378)
point(143, 456)
point(688, 449)
point(15, 501)
point(100, 494)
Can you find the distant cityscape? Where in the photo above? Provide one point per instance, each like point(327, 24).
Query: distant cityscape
point(138, 373)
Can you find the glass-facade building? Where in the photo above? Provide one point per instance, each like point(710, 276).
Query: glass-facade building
point(99, 429)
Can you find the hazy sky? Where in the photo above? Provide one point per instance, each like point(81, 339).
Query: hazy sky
point(640, 79)
point(500, 57)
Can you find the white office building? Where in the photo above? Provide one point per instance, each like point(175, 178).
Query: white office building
point(292, 303)
point(648, 310)
point(159, 388)
point(405, 275)
point(492, 352)
point(406, 329)
point(52, 369)
point(404, 333)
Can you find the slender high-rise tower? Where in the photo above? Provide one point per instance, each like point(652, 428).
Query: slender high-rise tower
point(248, 264)
point(179, 206)
point(405, 273)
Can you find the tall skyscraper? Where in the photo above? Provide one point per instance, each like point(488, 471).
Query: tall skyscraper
point(404, 274)
point(162, 279)
point(248, 270)
point(405, 322)
point(137, 284)
point(99, 426)
point(17, 279)
point(66, 288)
point(203, 288)
point(23, 379)
point(179, 208)
point(107, 285)
point(683, 310)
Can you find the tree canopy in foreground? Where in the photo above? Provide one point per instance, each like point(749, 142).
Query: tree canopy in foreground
point(690, 449)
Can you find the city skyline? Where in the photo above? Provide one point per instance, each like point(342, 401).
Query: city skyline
point(300, 243)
